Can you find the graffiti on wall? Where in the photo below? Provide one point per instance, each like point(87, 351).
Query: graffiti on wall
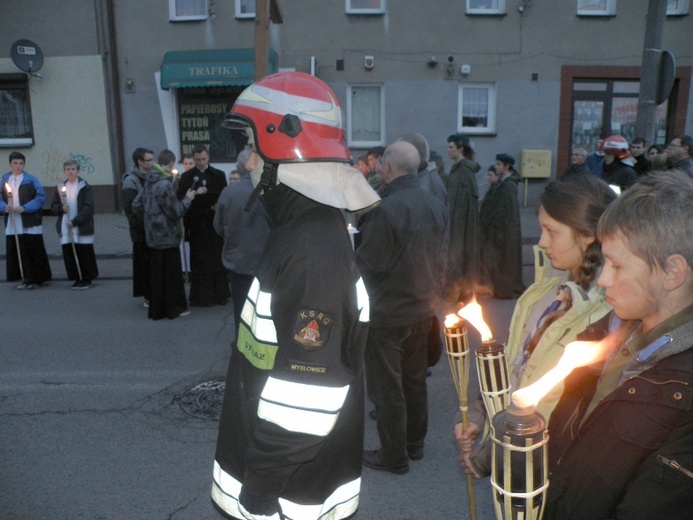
point(54, 159)
point(86, 166)
point(53, 164)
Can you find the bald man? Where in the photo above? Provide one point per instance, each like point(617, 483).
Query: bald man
point(401, 258)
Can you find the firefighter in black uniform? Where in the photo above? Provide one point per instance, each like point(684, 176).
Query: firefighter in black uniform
point(291, 430)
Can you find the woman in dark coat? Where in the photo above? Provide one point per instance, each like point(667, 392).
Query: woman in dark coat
point(463, 200)
point(501, 236)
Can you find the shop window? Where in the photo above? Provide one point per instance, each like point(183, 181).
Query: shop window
point(677, 7)
point(366, 116)
point(365, 6)
point(477, 109)
point(602, 107)
point(596, 8)
point(486, 7)
point(245, 8)
point(201, 112)
point(187, 10)
point(16, 129)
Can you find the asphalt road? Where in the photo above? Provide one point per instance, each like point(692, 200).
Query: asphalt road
point(90, 426)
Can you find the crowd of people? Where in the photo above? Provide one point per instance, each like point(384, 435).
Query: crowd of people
point(324, 321)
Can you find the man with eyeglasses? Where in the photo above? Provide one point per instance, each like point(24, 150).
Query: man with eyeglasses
point(133, 183)
point(679, 153)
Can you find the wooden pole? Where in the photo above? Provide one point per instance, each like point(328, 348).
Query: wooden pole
point(457, 346)
point(19, 251)
point(266, 11)
point(262, 20)
point(10, 202)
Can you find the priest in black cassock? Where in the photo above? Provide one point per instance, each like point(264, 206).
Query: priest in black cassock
point(501, 236)
point(208, 278)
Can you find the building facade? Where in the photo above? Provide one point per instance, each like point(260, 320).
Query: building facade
point(513, 75)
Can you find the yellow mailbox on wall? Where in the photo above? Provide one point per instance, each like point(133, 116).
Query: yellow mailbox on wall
point(536, 164)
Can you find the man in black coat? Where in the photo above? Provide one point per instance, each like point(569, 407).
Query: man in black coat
point(578, 164)
point(617, 169)
point(208, 281)
point(638, 147)
point(401, 259)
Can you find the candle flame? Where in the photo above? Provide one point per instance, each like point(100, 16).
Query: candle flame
point(472, 313)
point(577, 354)
point(7, 188)
point(450, 321)
point(63, 189)
point(174, 172)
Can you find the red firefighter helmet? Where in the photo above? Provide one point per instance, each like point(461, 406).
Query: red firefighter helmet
point(295, 117)
point(617, 145)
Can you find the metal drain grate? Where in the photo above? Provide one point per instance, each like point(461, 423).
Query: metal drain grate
point(203, 401)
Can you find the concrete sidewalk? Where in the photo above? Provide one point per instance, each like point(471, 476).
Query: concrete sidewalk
point(114, 248)
point(111, 243)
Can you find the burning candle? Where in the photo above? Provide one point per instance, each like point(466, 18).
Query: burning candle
point(352, 231)
point(10, 203)
point(63, 195)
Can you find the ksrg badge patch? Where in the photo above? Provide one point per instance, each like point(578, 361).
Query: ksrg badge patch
point(312, 328)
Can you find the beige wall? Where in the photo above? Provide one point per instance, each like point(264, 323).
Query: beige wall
point(69, 117)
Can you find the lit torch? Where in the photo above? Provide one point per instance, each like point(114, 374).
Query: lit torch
point(492, 368)
point(10, 203)
point(457, 346)
point(519, 473)
point(63, 196)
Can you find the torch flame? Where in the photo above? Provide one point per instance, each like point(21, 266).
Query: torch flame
point(577, 354)
point(450, 321)
point(472, 313)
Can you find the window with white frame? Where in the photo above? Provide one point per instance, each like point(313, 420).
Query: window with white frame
point(477, 108)
point(16, 129)
point(596, 7)
point(187, 10)
point(365, 116)
point(491, 7)
point(677, 7)
point(365, 6)
point(245, 8)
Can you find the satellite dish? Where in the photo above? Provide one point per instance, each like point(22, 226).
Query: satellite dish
point(27, 56)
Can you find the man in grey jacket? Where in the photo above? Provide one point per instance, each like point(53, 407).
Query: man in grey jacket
point(133, 184)
point(159, 207)
point(244, 232)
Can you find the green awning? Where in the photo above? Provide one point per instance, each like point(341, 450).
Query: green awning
point(211, 68)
